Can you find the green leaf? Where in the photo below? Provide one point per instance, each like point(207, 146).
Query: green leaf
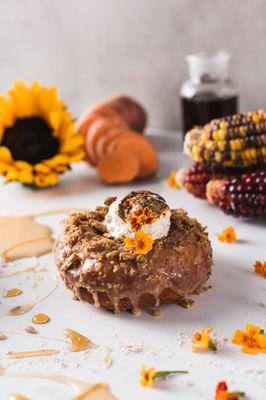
point(261, 331)
point(37, 188)
point(237, 394)
point(160, 374)
point(212, 346)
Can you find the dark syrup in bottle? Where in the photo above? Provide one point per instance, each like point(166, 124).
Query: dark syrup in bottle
point(201, 109)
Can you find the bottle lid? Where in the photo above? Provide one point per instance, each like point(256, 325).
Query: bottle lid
point(209, 68)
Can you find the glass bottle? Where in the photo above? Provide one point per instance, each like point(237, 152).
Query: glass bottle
point(209, 92)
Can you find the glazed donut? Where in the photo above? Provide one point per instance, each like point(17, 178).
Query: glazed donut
point(98, 267)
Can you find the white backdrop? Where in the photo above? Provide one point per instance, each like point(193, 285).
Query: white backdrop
point(92, 48)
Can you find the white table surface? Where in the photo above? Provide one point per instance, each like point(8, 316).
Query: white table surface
point(238, 297)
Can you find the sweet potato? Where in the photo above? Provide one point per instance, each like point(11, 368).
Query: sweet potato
point(120, 166)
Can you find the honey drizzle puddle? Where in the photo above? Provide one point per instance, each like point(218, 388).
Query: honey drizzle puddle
point(34, 353)
point(40, 319)
point(24, 308)
point(18, 310)
point(12, 293)
point(17, 396)
point(40, 250)
point(24, 237)
point(13, 273)
point(77, 341)
point(83, 390)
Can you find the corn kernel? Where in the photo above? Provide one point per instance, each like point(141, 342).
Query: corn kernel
point(223, 124)
point(216, 135)
point(221, 145)
point(256, 118)
point(217, 156)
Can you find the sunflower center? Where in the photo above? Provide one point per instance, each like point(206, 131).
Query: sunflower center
point(31, 140)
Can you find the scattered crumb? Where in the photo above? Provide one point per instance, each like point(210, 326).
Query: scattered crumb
point(2, 336)
point(107, 362)
point(130, 348)
point(31, 329)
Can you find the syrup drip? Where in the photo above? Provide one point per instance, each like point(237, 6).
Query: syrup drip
point(96, 299)
point(23, 237)
point(18, 272)
point(116, 306)
point(34, 353)
point(18, 310)
point(136, 311)
point(12, 293)
point(28, 248)
point(157, 296)
point(22, 309)
point(40, 319)
point(157, 313)
point(83, 390)
point(77, 341)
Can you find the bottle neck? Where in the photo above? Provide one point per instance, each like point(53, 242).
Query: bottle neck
point(208, 79)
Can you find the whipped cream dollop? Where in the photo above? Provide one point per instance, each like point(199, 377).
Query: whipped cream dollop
point(119, 227)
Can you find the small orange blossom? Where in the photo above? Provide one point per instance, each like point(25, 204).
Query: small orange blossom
point(147, 376)
point(141, 216)
point(202, 341)
point(141, 243)
point(171, 181)
point(228, 235)
point(253, 340)
point(223, 394)
point(260, 268)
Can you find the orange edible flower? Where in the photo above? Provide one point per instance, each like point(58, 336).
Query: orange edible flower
point(141, 243)
point(253, 340)
point(223, 394)
point(171, 181)
point(147, 376)
point(141, 217)
point(260, 268)
point(202, 341)
point(228, 235)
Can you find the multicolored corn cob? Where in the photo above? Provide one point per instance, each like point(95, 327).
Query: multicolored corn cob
point(237, 141)
point(240, 196)
point(196, 179)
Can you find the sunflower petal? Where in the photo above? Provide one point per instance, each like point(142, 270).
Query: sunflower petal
point(45, 180)
point(5, 155)
point(42, 168)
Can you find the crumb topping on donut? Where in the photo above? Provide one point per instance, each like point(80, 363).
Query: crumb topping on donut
point(100, 269)
point(142, 210)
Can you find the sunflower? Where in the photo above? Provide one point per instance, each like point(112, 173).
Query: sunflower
point(37, 138)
